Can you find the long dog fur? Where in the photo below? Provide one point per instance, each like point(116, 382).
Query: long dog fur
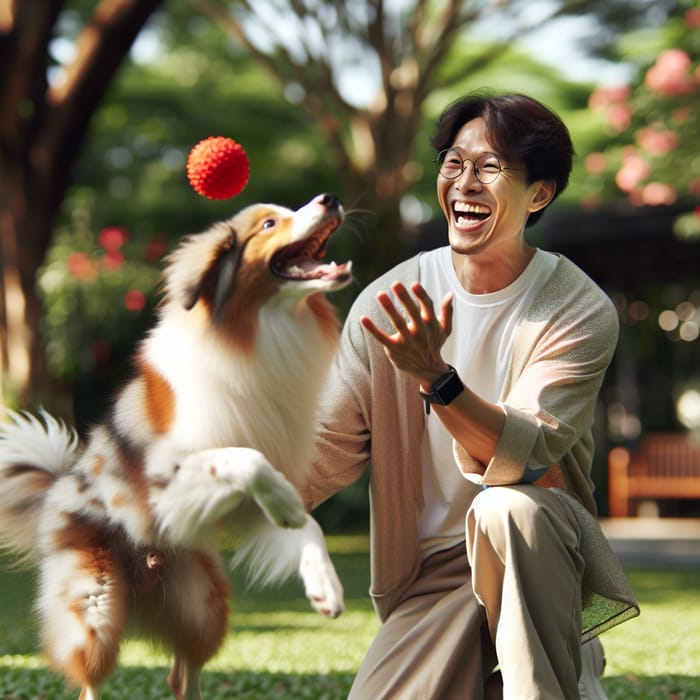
point(209, 436)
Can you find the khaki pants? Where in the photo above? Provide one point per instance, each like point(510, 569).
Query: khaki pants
point(512, 597)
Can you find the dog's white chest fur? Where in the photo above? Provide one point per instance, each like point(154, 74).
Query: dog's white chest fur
point(264, 399)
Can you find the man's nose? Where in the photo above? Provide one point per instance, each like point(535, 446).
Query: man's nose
point(468, 176)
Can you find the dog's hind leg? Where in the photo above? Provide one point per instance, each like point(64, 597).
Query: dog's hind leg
point(188, 613)
point(82, 609)
point(183, 680)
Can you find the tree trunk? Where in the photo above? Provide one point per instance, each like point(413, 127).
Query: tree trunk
point(42, 127)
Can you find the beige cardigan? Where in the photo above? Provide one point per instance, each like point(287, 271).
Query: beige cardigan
point(560, 354)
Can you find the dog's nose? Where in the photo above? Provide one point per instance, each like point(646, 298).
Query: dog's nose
point(330, 201)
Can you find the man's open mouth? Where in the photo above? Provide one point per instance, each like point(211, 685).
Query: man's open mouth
point(470, 213)
point(303, 260)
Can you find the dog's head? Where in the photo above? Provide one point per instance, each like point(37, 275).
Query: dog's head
point(265, 252)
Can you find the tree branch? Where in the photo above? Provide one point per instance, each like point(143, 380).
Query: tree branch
point(316, 96)
point(101, 48)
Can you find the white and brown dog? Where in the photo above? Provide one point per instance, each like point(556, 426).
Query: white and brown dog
point(209, 436)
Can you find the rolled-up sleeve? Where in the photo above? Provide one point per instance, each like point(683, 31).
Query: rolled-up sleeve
point(563, 350)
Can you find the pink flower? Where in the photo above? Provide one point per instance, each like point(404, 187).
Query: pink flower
point(656, 194)
point(657, 142)
point(612, 102)
point(634, 169)
point(595, 163)
point(619, 117)
point(81, 266)
point(670, 75)
point(603, 97)
point(113, 237)
point(134, 300)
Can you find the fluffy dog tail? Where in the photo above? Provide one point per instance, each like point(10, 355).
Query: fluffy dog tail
point(33, 453)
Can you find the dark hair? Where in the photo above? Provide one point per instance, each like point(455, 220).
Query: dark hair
point(520, 128)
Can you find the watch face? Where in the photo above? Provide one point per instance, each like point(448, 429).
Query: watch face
point(446, 388)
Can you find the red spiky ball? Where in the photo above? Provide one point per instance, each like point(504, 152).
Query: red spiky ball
point(218, 168)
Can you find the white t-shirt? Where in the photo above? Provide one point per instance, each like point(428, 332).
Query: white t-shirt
point(479, 348)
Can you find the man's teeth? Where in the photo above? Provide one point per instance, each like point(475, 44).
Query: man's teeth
point(465, 212)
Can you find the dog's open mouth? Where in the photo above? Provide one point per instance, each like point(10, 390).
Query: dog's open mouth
point(303, 260)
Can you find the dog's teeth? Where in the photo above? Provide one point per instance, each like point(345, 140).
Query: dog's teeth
point(295, 271)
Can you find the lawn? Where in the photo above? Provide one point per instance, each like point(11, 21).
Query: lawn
point(279, 648)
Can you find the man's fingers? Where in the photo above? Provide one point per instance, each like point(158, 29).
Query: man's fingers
point(427, 308)
point(413, 310)
point(377, 333)
point(395, 316)
point(447, 312)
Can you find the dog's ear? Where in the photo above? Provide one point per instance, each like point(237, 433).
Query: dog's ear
point(218, 280)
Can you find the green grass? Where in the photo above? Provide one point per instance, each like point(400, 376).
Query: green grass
point(656, 656)
point(279, 648)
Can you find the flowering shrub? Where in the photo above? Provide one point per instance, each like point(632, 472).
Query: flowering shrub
point(653, 126)
point(97, 291)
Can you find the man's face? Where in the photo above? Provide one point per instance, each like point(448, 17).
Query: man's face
point(480, 216)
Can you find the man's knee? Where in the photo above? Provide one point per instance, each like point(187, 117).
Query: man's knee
point(524, 518)
point(500, 507)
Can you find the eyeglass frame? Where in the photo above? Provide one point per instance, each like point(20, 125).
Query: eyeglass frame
point(475, 168)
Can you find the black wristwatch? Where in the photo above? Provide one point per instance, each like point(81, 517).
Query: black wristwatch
point(444, 390)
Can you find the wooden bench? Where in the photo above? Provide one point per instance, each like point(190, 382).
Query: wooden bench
point(666, 465)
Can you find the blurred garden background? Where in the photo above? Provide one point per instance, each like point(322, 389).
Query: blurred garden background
point(101, 101)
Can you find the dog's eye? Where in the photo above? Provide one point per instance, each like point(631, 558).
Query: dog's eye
point(269, 223)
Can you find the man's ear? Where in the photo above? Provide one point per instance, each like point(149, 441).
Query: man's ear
point(543, 194)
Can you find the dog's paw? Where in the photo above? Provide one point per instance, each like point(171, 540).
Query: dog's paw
point(321, 583)
point(278, 499)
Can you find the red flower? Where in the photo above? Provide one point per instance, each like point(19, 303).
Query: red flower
point(134, 300)
point(81, 266)
point(155, 249)
point(113, 237)
point(692, 18)
point(113, 260)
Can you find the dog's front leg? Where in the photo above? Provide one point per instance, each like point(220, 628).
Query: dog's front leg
point(271, 554)
point(321, 583)
point(208, 485)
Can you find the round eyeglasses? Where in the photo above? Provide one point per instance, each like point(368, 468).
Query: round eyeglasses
point(486, 168)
